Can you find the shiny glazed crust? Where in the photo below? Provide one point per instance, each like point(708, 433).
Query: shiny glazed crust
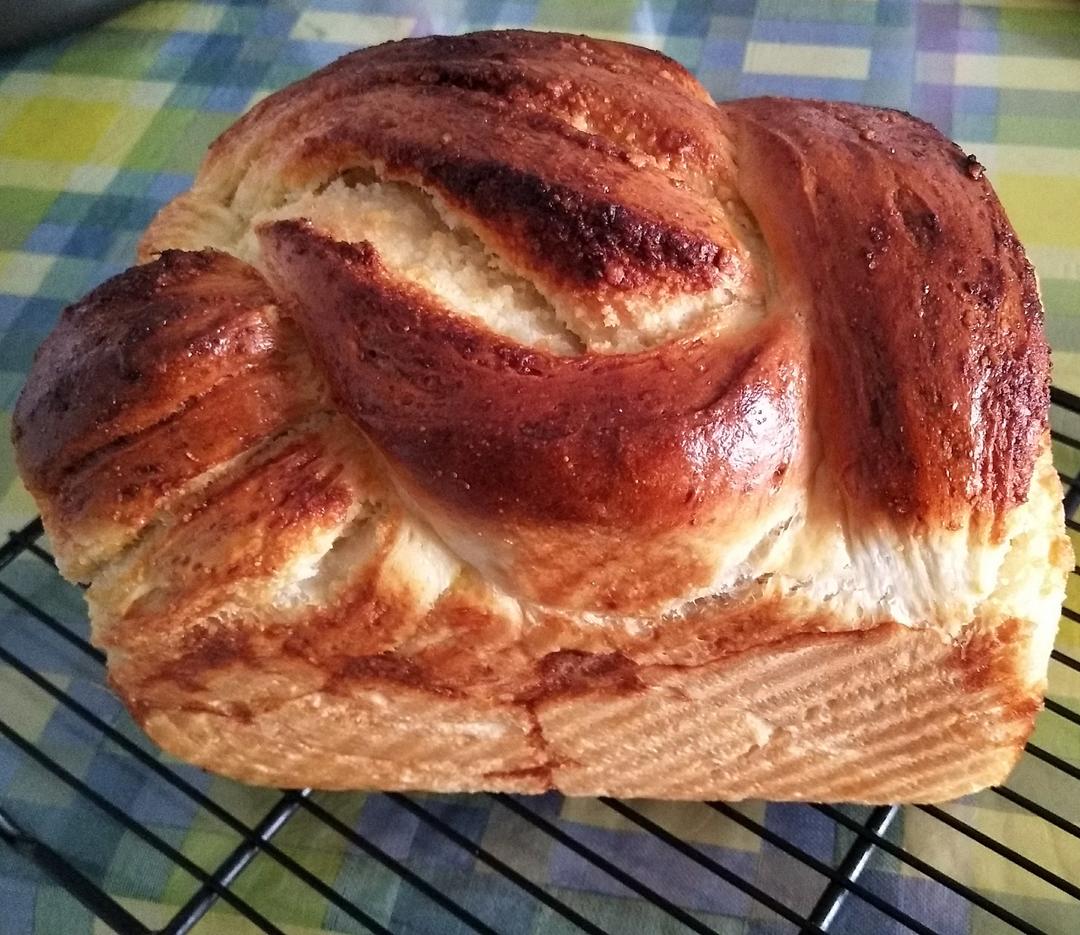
point(497, 412)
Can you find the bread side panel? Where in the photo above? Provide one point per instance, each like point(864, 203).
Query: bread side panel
point(884, 715)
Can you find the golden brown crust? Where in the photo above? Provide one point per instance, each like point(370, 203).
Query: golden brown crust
point(663, 112)
point(766, 510)
point(127, 482)
point(246, 525)
point(496, 428)
point(934, 369)
point(119, 360)
point(163, 373)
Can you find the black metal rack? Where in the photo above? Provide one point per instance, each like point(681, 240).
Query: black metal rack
point(841, 891)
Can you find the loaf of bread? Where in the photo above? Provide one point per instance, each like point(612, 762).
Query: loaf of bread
point(498, 412)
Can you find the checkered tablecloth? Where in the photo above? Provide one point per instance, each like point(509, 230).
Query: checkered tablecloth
point(99, 129)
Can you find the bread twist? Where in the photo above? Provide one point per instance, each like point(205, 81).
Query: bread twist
point(498, 412)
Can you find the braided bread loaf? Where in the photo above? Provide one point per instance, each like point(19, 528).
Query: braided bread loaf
point(498, 412)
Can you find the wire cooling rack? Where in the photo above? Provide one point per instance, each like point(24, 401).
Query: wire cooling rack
point(983, 867)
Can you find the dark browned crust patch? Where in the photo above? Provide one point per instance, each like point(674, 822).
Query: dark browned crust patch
point(987, 660)
point(571, 207)
point(568, 672)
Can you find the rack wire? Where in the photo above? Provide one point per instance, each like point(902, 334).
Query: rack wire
point(847, 895)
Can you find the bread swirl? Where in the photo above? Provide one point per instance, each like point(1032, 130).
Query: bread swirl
point(498, 412)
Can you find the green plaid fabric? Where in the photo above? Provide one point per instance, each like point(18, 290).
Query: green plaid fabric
point(99, 129)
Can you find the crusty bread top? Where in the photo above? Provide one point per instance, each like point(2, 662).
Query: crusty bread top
point(619, 358)
point(151, 381)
